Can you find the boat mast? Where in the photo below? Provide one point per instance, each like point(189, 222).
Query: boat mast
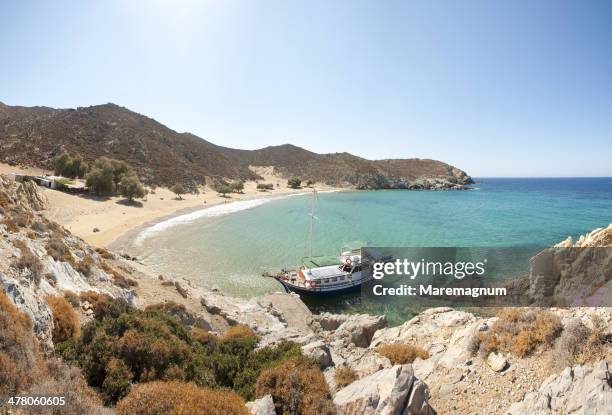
point(312, 219)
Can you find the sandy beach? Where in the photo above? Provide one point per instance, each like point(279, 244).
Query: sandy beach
point(113, 217)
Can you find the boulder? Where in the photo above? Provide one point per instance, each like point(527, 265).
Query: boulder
point(359, 329)
point(579, 390)
point(497, 362)
point(319, 352)
point(263, 406)
point(328, 321)
point(392, 391)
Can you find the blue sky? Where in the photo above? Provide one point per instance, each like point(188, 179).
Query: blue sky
point(497, 88)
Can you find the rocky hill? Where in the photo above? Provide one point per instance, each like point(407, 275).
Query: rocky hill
point(34, 136)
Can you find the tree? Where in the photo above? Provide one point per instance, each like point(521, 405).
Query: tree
point(100, 178)
point(61, 162)
point(131, 187)
point(309, 183)
point(178, 189)
point(120, 169)
point(67, 166)
point(237, 187)
point(294, 182)
point(224, 190)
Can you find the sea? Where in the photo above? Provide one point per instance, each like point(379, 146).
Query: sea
point(229, 246)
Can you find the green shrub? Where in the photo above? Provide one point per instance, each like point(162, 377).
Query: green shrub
point(152, 345)
point(237, 187)
point(294, 182)
point(265, 186)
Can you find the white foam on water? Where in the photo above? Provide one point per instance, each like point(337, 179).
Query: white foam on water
point(209, 212)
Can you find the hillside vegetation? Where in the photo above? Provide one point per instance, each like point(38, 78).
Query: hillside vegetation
point(35, 136)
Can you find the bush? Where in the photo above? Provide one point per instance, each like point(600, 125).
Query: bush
point(402, 353)
point(265, 186)
point(297, 387)
point(179, 190)
point(238, 331)
point(203, 336)
point(224, 190)
point(310, 183)
point(20, 359)
point(518, 331)
point(29, 260)
point(344, 376)
point(65, 321)
point(67, 381)
point(105, 253)
point(237, 187)
point(84, 265)
point(152, 345)
point(294, 182)
point(57, 249)
point(131, 188)
point(178, 398)
point(104, 305)
point(72, 298)
point(116, 383)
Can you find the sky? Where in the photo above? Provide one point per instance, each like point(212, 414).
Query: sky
point(496, 88)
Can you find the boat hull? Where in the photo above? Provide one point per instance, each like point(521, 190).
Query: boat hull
point(318, 293)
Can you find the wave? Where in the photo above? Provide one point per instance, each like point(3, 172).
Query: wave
point(207, 212)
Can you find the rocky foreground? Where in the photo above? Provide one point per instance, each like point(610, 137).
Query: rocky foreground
point(38, 258)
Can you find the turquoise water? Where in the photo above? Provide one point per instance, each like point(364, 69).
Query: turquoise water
point(230, 250)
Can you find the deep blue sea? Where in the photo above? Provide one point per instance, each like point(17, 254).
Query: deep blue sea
point(229, 246)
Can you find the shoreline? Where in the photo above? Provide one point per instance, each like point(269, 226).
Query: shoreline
point(103, 221)
point(126, 239)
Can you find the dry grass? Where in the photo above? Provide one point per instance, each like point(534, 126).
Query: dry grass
point(238, 331)
point(20, 359)
point(518, 331)
point(178, 398)
point(105, 254)
point(85, 265)
point(101, 304)
point(203, 336)
point(57, 249)
point(344, 376)
point(65, 321)
point(579, 344)
point(402, 353)
point(297, 387)
point(119, 279)
point(72, 298)
point(67, 381)
point(28, 260)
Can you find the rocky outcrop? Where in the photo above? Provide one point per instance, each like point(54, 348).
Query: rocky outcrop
point(22, 195)
point(28, 272)
point(600, 237)
point(392, 391)
point(575, 274)
point(579, 390)
point(263, 406)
